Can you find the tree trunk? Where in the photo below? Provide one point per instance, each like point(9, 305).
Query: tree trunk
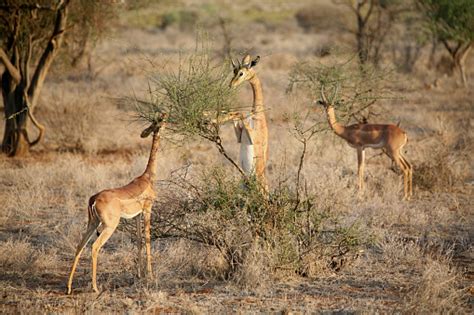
point(458, 56)
point(15, 138)
point(20, 95)
point(361, 41)
point(361, 33)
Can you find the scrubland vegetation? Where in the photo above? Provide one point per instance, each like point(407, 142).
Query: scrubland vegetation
point(218, 244)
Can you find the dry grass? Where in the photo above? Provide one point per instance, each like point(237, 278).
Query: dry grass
point(436, 175)
point(71, 122)
point(417, 257)
point(438, 290)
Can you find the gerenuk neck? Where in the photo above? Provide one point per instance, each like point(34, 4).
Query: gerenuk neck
point(335, 126)
point(152, 164)
point(257, 94)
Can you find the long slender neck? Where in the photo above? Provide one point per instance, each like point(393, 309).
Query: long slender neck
point(335, 126)
point(150, 169)
point(257, 94)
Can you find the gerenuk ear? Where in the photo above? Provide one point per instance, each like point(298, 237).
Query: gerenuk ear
point(246, 61)
point(254, 62)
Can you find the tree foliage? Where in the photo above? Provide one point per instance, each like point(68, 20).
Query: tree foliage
point(450, 19)
point(31, 35)
point(353, 90)
point(452, 22)
point(374, 21)
point(196, 98)
point(192, 97)
point(90, 21)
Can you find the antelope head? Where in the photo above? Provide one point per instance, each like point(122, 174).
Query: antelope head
point(155, 126)
point(324, 100)
point(243, 71)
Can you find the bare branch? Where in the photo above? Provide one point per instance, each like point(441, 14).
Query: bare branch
point(26, 70)
point(466, 48)
point(40, 127)
point(369, 12)
point(222, 151)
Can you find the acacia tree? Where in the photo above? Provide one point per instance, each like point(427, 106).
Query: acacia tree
point(374, 21)
point(32, 33)
point(196, 99)
point(452, 23)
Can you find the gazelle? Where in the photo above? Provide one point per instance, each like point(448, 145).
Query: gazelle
point(390, 138)
point(107, 207)
point(251, 131)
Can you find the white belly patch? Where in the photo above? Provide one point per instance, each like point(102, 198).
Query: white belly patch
point(247, 158)
point(375, 145)
point(247, 152)
point(129, 215)
point(131, 208)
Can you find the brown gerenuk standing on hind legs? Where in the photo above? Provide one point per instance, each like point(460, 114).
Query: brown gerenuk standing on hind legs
point(107, 207)
point(389, 138)
point(252, 131)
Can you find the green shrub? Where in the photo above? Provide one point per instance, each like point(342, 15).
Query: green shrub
point(193, 96)
point(353, 89)
point(222, 210)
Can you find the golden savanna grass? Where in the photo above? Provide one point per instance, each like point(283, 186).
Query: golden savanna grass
point(416, 256)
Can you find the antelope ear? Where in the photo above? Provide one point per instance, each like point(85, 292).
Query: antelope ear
point(235, 66)
point(246, 61)
point(145, 133)
point(254, 62)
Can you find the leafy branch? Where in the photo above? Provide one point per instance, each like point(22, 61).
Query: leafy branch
point(196, 98)
point(350, 87)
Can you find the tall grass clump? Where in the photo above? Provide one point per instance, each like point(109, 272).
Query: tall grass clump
point(20, 258)
point(436, 174)
point(73, 123)
point(438, 290)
